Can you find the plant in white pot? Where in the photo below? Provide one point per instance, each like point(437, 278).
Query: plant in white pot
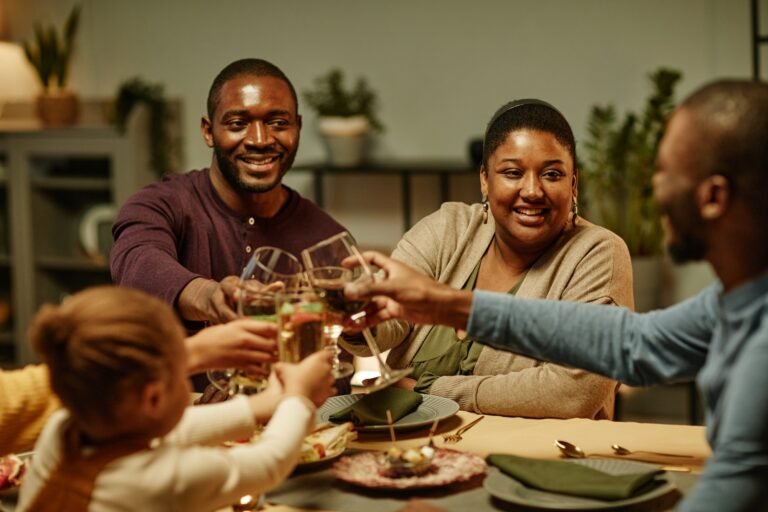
point(616, 180)
point(50, 54)
point(345, 116)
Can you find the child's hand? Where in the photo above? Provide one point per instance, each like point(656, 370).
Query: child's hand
point(310, 378)
point(244, 343)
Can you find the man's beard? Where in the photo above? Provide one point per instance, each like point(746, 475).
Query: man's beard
point(688, 244)
point(231, 173)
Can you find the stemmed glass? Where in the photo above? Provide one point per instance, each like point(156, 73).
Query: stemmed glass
point(326, 270)
point(268, 271)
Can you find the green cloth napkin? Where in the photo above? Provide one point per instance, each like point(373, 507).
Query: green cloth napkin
point(568, 478)
point(372, 409)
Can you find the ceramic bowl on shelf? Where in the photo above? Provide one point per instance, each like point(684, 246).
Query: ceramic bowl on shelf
point(95, 230)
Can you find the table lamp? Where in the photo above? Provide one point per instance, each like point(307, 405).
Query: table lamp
point(19, 82)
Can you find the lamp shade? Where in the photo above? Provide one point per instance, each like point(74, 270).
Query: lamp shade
point(19, 82)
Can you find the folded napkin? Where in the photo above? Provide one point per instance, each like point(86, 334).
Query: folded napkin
point(568, 478)
point(372, 409)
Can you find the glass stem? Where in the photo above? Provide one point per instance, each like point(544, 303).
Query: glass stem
point(383, 367)
point(333, 333)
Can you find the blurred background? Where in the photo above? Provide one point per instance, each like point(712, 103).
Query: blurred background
point(439, 69)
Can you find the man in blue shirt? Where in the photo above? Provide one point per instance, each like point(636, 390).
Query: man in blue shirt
point(711, 185)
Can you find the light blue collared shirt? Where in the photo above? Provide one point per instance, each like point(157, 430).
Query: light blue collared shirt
point(720, 340)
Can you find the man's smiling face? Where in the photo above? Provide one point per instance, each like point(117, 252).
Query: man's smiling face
point(254, 132)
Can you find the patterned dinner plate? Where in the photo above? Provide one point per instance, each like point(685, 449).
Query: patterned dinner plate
point(430, 409)
point(508, 489)
point(448, 467)
point(13, 490)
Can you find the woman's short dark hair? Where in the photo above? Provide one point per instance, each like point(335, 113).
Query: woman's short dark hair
point(527, 114)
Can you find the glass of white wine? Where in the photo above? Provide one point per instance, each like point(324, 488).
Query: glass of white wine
point(269, 270)
point(300, 324)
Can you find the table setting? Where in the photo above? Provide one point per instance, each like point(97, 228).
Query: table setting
point(384, 448)
point(529, 444)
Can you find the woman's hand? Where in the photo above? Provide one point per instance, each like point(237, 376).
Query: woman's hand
point(310, 378)
point(244, 343)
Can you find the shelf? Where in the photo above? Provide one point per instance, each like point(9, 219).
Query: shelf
point(404, 170)
point(59, 263)
point(53, 179)
point(51, 183)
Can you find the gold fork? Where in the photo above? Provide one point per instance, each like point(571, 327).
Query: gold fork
point(456, 436)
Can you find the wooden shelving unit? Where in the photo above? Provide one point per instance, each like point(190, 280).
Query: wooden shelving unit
point(49, 180)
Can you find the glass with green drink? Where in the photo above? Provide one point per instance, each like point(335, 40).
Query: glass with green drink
point(300, 323)
point(268, 271)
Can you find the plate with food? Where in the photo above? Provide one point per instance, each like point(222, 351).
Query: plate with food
point(417, 468)
point(12, 470)
point(430, 409)
point(326, 443)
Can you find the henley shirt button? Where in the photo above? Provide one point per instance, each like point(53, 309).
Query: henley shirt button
point(251, 221)
point(248, 249)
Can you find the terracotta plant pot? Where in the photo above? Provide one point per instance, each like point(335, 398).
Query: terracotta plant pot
point(58, 108)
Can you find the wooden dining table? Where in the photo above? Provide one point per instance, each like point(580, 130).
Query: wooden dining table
point(319, 490)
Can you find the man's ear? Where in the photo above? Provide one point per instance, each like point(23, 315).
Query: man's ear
point(298, 120)
point(713, 196)
point(207, 129)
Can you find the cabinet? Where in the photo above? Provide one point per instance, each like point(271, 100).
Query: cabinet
point(51, 180)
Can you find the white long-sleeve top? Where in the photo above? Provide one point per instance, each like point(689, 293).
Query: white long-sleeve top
point(185, 471)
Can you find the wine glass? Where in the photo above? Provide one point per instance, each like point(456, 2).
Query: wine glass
point(269, 270)
point(300, 324)
point(327, 269)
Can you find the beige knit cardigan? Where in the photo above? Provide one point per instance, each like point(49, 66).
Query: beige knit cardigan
point(586, 264)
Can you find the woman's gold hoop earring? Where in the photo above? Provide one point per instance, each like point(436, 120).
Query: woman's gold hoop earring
point(485, 208)
point(574, 211)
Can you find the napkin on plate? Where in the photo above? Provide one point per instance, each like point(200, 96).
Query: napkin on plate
point(372, 409)
point(564, 477)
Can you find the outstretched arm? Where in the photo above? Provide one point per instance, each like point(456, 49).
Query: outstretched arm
point(639, 349)
point(244, 343)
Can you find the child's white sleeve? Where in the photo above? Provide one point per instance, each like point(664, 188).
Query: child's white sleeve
point(214, 423)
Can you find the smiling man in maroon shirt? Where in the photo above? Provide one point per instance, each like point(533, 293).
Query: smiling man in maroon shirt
point(180, 238)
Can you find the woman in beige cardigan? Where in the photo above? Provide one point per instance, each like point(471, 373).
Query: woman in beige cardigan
point(524, 238)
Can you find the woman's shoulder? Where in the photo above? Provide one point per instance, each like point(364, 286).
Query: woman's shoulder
point(454, 215)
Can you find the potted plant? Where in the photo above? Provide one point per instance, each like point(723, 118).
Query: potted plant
point(163, 146)
point(616, 179)
point(345, 116)
point(50, 55)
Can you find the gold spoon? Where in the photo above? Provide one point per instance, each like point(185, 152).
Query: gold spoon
point(572, 451)
point(620, 450)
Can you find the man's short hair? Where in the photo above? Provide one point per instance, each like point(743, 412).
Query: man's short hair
point(733, 119)
point(245, 67)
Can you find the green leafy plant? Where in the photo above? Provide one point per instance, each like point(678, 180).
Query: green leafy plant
point(330, 97)
point(162, 146)
point(51, 52)
point(620, 162)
